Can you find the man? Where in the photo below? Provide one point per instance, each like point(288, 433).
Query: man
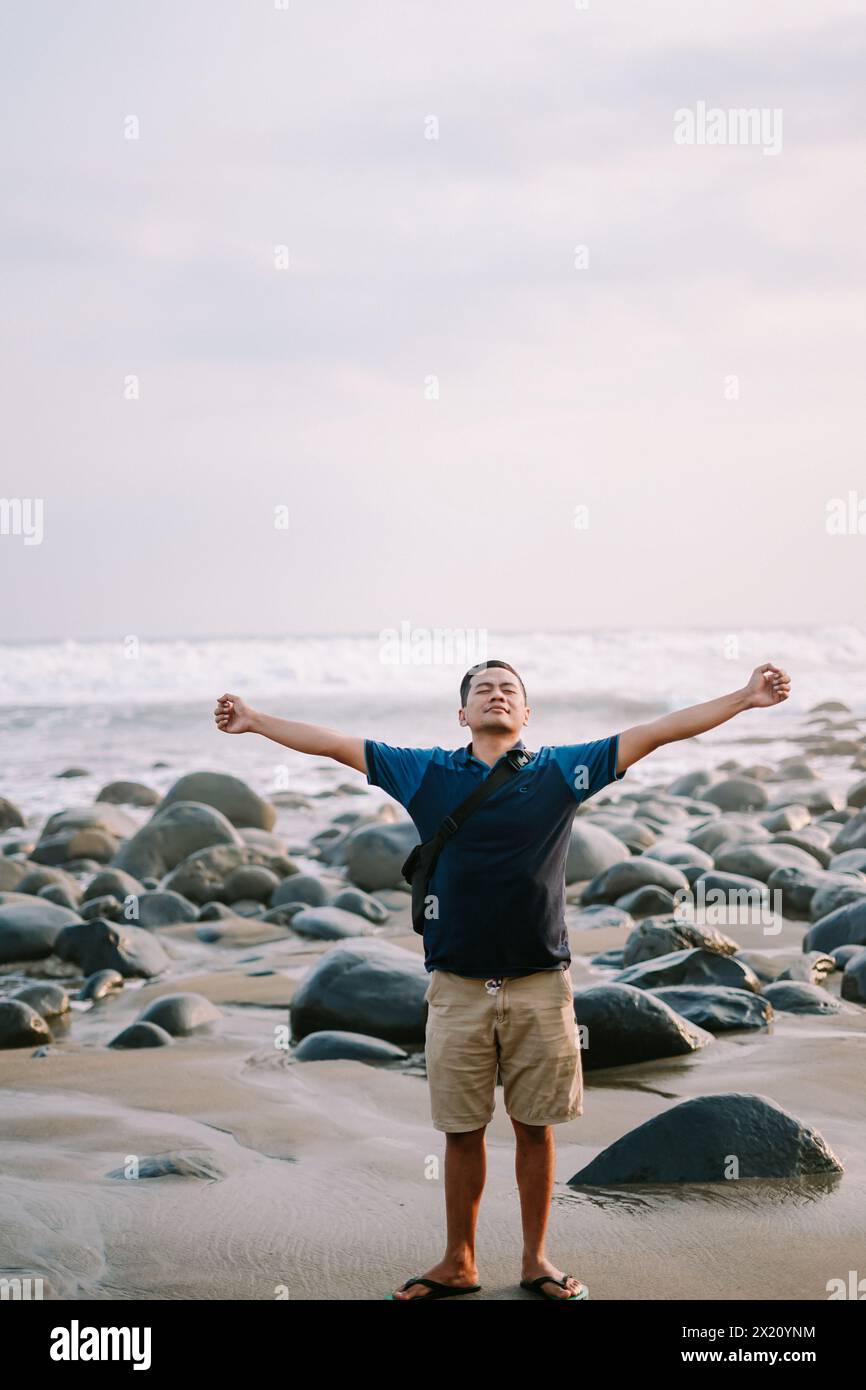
point(500, 1000)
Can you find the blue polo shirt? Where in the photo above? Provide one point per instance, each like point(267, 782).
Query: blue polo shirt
point(498, 887)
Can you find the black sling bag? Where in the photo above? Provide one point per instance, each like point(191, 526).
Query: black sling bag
point(419, 867)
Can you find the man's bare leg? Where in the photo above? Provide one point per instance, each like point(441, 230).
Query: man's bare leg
point(465, 1173)
point(534, 1165)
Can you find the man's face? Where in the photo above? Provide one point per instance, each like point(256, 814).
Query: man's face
point(495, 703)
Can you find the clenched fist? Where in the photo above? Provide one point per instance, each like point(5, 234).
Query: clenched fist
point(768, 685)
point(232, 715)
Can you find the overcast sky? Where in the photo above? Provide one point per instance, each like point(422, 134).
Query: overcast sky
point(417, 265)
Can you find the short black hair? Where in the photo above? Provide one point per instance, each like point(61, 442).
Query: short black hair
point(473, 671)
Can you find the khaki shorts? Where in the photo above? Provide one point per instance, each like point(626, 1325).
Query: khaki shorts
point(524, 1035)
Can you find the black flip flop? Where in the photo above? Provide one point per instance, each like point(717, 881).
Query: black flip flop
point(436, 1290)
point(534, 1286)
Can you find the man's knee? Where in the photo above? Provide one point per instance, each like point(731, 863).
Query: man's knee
point(465, 1138)
point(536, 1134)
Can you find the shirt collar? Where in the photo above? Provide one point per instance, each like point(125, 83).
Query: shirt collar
point(465, 755)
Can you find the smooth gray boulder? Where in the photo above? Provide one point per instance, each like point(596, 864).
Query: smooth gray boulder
point(835, 894)
point(129, 794)
point(237, 802)
point(800, 997)
point(364, 986)
point(679, 853)
point(29, 930)
point(798, 887)
point(10, 816)
point(620, 1026)
point(364, 904)
point(101, 945)
point(101, 984)
point(171, 835)
point(692, 782)
point(647, 901)
point(142, 1035)
point(686, 967)
point(328, 923)
point(629, 874)
point(49, 1000)
point(375, 854)
point(21, 1026)
point(758, 860)
point(591, 849)
point(100, 816)
point(300, 888)
point(331, 1045)
point(816, 797)
point(181, 1014)
point(849, 861)
point(853, 984)
point(659, 936)
point(728, 830)
point(700, 1140)
point(844, 927)
point(717, 1008)
point(737, 794)
point(812, 968)
point(852, 835)
point(113, 883)
point(252, 882)
point(786, 818)
point(202, 875)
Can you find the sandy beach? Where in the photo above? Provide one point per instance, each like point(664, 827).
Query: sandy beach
point(263, 1176)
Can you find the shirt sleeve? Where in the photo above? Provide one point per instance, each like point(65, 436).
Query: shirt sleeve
point(587, 767)
point(398, 771)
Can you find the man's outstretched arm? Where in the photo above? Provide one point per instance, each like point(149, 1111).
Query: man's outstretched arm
point(768, 685)
point(233, 716)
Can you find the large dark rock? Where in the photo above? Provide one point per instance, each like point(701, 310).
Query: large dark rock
point(758, 860)
point(366, 906)
point(718, 1138)
point(171, 835)
point(102, 945)
point(364, 986)
point(620, 1026)
point(844, 927)
point(800, 997)
point(717, 1008)
point(374, 855)
point(328, 923)
point(331, 1045)
point(853, 986)
point(300, 888)
point(659, 936)
point(129, 794)
point(728, 830)
point(202, 875)
point(680, 853)
point(648, 901)
point(695, 967)
point(29, 930)
point(629, 874)
point(181, 1014)
point(142, 1035)
point(737, 794)
point(21, 1026)
point(852, 835)
point(49, 1000)
point(591, 850)
point(237, 802)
